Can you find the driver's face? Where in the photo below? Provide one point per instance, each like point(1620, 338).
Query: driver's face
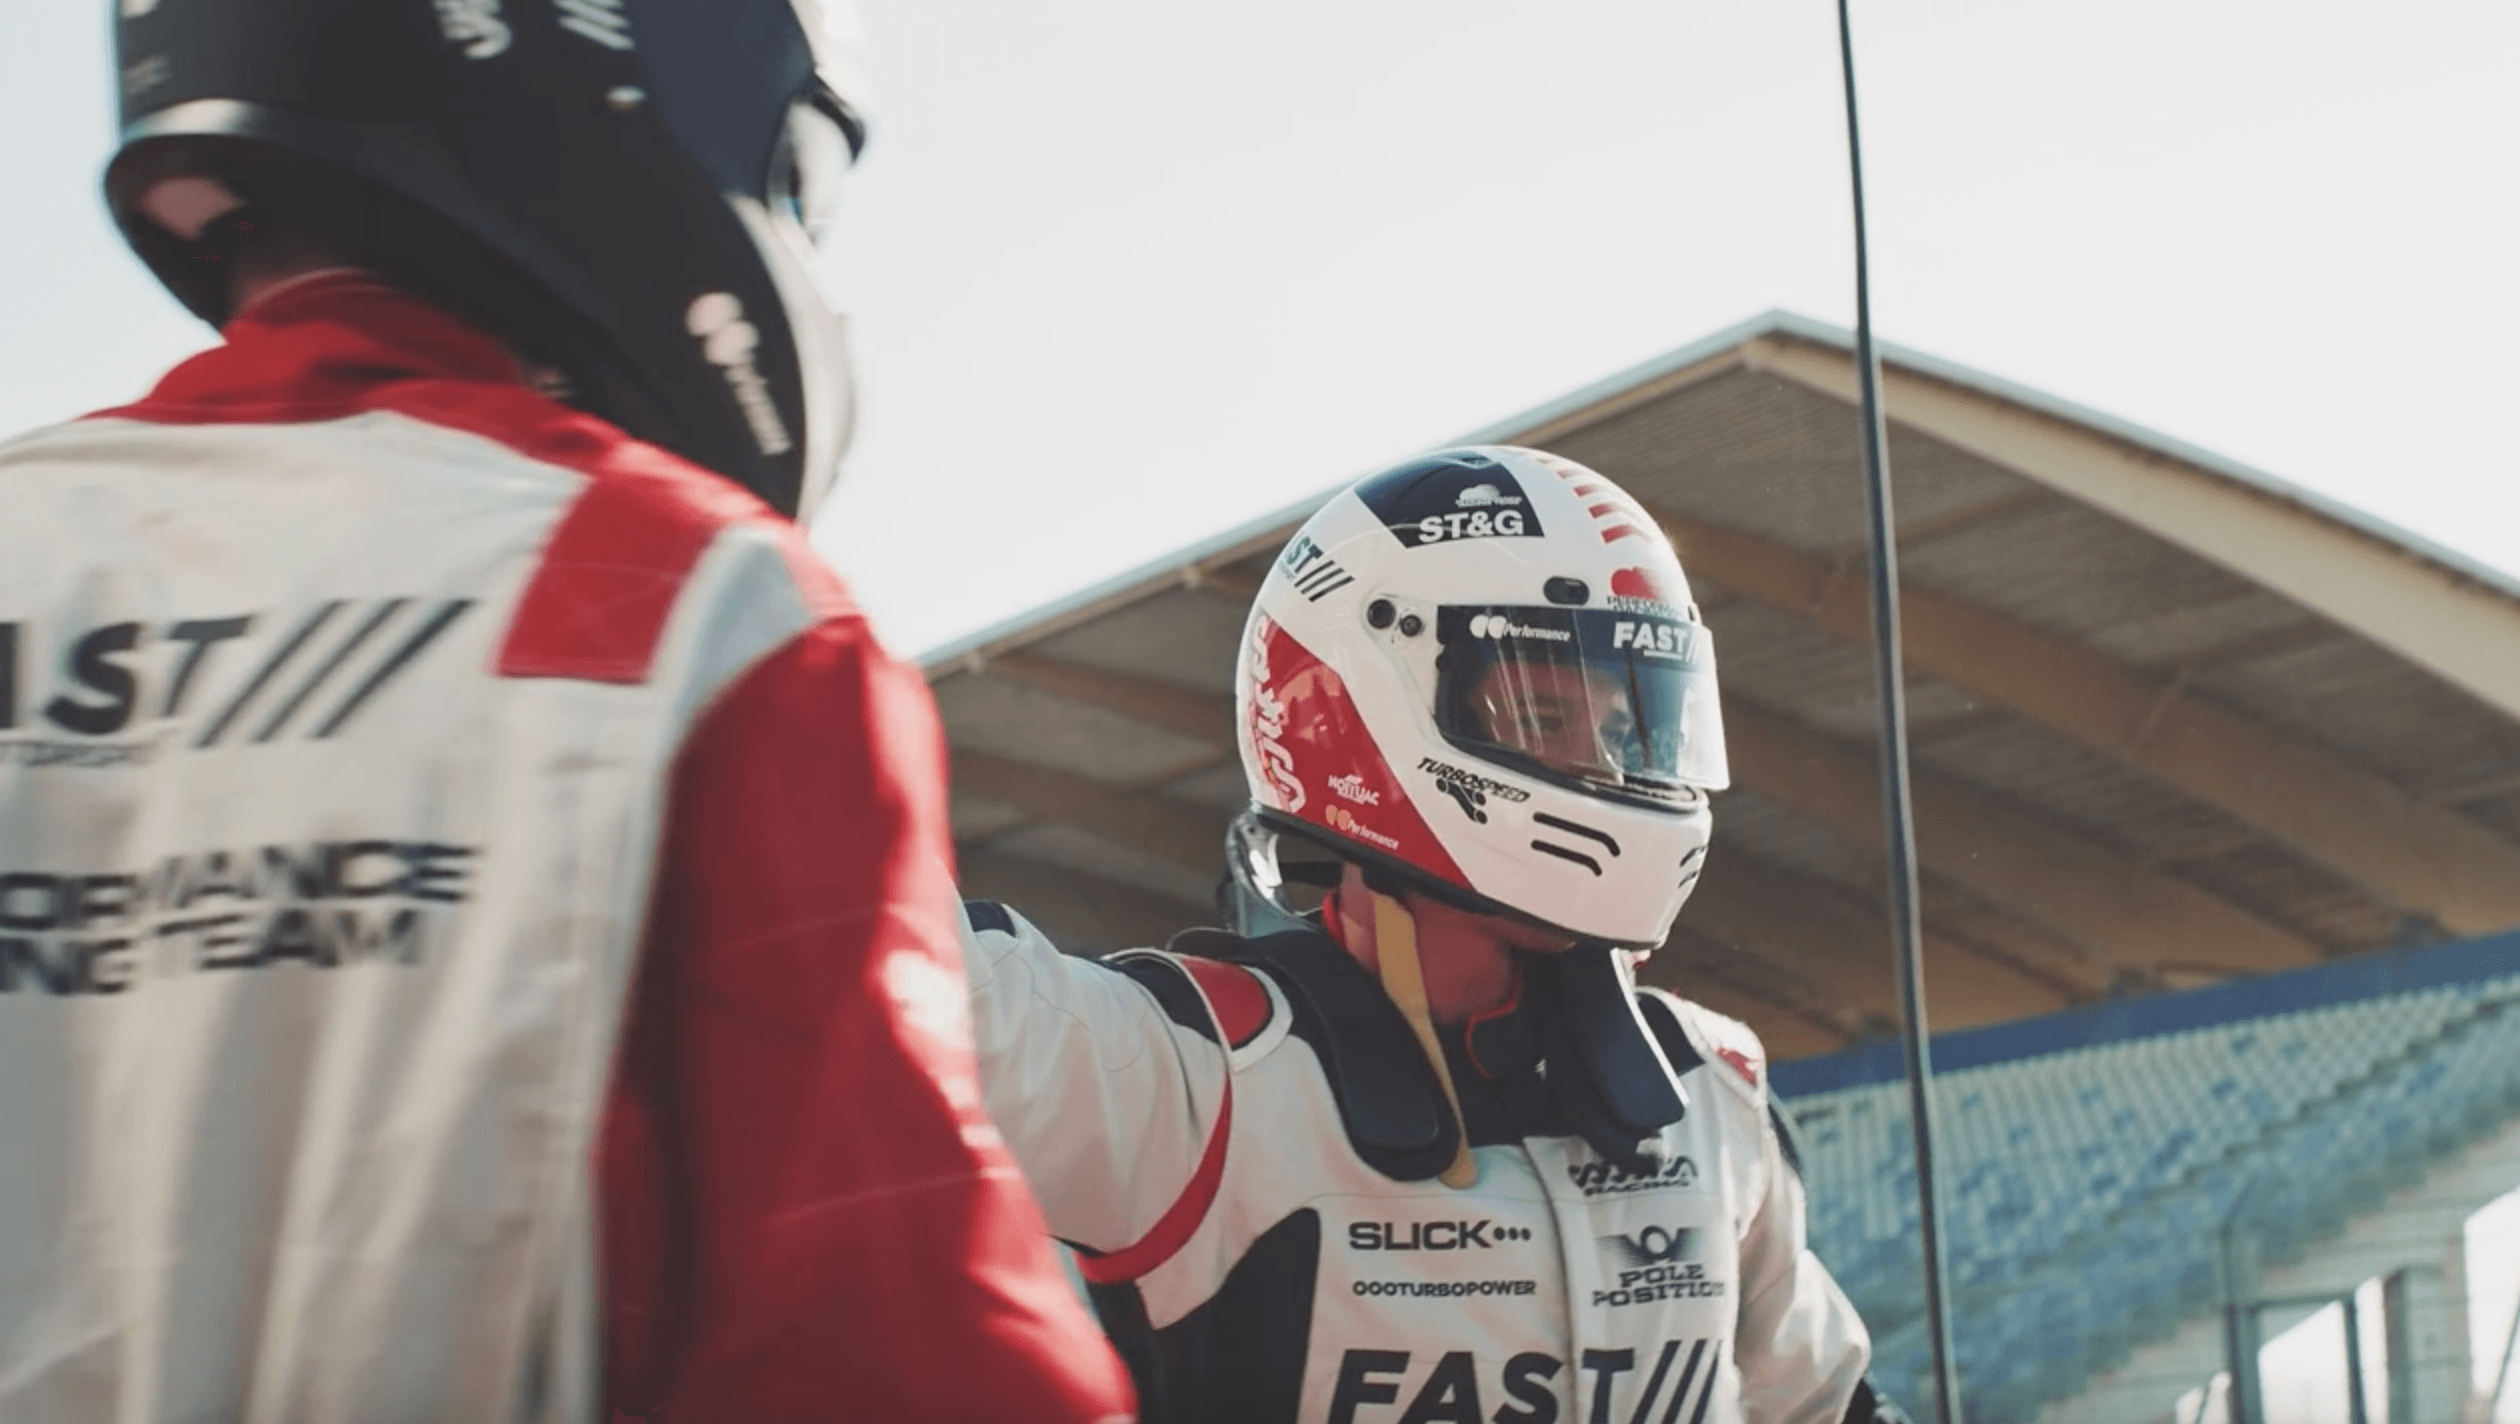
point(1570, 719)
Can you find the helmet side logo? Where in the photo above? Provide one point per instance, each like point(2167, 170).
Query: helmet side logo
point(1655, 637)
point(1497, 625)
point(1353, 788)
point(1344, 820)
point(1268, 727)
point(1477, 524)
point(1474, 788)
point(1471, 800)
point(1447, 498)
point(475, 24)
point(1313, 572)
point(1642, 591)
point(1305, 728)
point(1268, 731)
point(728, 342)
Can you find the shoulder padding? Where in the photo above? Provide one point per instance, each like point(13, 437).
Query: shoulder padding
point(1713, 1038)
point(1242, 1006)
point(989, 915)
point(1207, 996)
point(1175, 992)
point(1389, 1099)
point(1679, 1050)
point(1732, 1043)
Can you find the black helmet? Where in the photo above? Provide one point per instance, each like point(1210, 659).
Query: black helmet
point(626, 190)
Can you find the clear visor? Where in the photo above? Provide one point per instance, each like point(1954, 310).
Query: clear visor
point(1613, 701)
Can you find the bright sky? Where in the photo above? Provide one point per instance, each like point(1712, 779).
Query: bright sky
point(1133, 271)
point(1138, 270)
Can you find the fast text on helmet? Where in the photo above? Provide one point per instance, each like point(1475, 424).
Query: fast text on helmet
point(1654, 638)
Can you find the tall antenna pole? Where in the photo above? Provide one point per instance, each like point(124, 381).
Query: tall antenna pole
point(1907, 926)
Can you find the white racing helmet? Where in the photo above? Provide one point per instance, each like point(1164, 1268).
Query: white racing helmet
point(1482, 668)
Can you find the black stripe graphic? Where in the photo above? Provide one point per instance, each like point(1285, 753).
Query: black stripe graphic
point(1572, 828)
point(253, 689)
point(1688, 1376)
point(1692, 864)
point(331, 665)
point(1563, 853)
point(1653, 1383)
point(1326, 578)
point(1698, 1415)
point(420, 638)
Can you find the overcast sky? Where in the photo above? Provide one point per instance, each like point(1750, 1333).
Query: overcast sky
point(1129, 272)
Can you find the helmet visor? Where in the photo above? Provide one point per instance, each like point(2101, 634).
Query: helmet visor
point(1614, 702)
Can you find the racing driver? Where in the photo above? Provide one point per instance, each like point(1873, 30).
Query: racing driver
point(1429, 1153)
point(450, 968)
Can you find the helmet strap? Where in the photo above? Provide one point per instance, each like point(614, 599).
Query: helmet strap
point(1404, 981)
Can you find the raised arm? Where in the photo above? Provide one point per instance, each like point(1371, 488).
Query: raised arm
point(1108, 1078)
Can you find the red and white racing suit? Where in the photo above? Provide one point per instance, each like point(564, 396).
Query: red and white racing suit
point(1181, 1119)
point(452, 854)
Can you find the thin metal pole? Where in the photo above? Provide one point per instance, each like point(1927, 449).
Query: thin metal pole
point(2240, 1342)
point(2357, 1408)
point(1906, 925)
point(2502, 1375)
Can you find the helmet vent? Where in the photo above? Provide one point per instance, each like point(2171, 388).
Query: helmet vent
point(1576, 828)
point(1563, 853)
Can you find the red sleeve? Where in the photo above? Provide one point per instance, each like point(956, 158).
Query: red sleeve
point(807, 1214)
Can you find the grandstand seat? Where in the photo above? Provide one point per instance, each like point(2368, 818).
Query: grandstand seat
point(2088, 1184)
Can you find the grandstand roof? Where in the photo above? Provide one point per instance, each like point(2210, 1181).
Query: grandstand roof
point(2174, 720)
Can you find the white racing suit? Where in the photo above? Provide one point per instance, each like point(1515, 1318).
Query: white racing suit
point(474, 918)
point(1188, 1126)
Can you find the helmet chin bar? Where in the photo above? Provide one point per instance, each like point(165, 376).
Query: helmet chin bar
point(1385, 873)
